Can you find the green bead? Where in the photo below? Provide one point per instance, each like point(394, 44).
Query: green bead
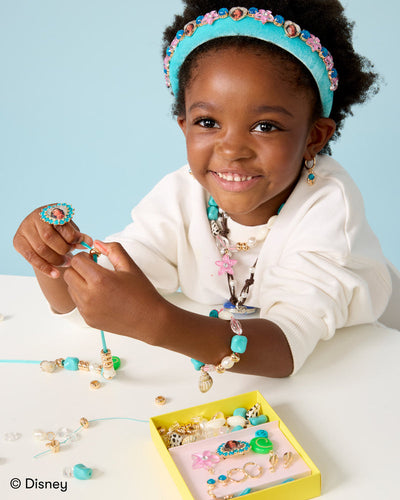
point(239, 344)
point(261, 445)
point(116, 362)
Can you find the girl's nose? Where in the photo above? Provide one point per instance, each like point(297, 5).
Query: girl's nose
point(233, 145)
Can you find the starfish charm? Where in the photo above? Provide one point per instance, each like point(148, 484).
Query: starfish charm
point(225, 265)
point(205, 460)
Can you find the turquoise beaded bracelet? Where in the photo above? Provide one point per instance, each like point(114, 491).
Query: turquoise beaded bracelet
point(238, 346)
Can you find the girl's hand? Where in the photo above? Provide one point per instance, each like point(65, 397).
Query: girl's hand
point(121, 301)
point(46, 247)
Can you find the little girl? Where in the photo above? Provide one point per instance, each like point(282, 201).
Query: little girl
point(261, 217)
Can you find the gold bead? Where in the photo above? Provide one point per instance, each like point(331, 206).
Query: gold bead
point(107, 359)
point(83, 366)
point(59, 362)
point(93, 252)
point(95, 384)
point(84, 422)
point(50, 436)
point(160, 400)
point(54, 445)
point(162, 430)
point(235, 357)
point(220, 369)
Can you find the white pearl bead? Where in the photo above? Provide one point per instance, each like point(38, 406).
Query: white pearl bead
point(252, 270)
point(39, 435)
point(227, 362)
point(108, 373)
point(1, 317)
point(252, 242)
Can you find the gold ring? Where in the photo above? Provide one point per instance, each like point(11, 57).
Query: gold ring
point(253, 464)
point(235, 471)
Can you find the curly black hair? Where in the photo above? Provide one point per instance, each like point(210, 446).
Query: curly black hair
point(324, 18)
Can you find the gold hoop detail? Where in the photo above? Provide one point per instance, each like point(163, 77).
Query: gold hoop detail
point(234, 471)
point(253, 464)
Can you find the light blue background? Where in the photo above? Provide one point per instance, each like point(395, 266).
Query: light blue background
point(85, 117)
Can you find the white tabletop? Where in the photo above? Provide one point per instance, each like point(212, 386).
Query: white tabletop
point(342, 406)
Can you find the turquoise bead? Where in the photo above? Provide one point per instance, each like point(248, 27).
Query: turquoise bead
point(240, 411)
point(212, 202)
point(261, 419)
point(213, 313)
point(71, 364)
point(261, 433)
point(82, 472)
point(244, 492)
point(239, 344)
point(197, 364)
point(237, 428)
point(212, 213)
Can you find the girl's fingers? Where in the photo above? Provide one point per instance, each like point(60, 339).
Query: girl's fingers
point(23, 246)
point(87, 239)
point(48, 242)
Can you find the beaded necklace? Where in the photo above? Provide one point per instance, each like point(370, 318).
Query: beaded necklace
point(219, 228)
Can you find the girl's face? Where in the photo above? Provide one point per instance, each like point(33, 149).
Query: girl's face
point(248, 131)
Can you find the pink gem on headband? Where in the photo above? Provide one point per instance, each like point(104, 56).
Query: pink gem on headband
point(290, 29)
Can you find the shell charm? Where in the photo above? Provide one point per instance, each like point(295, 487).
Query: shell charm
point(205, 381)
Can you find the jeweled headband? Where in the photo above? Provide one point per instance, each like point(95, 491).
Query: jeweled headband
point(261, 24)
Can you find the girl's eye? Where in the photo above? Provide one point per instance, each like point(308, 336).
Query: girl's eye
point(265, 127)
point(206, 123)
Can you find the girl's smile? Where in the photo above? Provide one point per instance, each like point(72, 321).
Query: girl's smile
point(248, 130)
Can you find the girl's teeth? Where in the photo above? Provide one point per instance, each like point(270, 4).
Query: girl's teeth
point(234, 177)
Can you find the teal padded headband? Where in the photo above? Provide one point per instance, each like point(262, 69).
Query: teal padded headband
point(260, 24)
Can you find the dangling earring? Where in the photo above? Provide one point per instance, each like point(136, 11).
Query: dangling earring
point(310, 175)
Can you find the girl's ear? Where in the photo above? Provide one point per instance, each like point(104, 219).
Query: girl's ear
point(182, 123)
point(320, 133)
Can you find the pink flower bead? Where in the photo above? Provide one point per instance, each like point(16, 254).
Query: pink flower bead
point(264, 16)
point(210, 17)
point(314, 43)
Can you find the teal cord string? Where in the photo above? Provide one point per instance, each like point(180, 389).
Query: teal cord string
point(94, 256)
point(84, 244)
point(103, 340)
point(28, 361)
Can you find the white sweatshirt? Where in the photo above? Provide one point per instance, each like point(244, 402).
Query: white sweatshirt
point(320, 268)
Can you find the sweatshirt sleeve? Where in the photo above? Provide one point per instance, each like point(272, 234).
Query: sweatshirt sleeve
point(331, 272)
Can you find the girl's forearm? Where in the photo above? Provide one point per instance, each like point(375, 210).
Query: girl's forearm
point(208, 340)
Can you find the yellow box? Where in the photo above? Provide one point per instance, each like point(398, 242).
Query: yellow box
point(299, 489)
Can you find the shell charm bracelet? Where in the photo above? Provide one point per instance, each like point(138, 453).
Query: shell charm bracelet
point(238, 346)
